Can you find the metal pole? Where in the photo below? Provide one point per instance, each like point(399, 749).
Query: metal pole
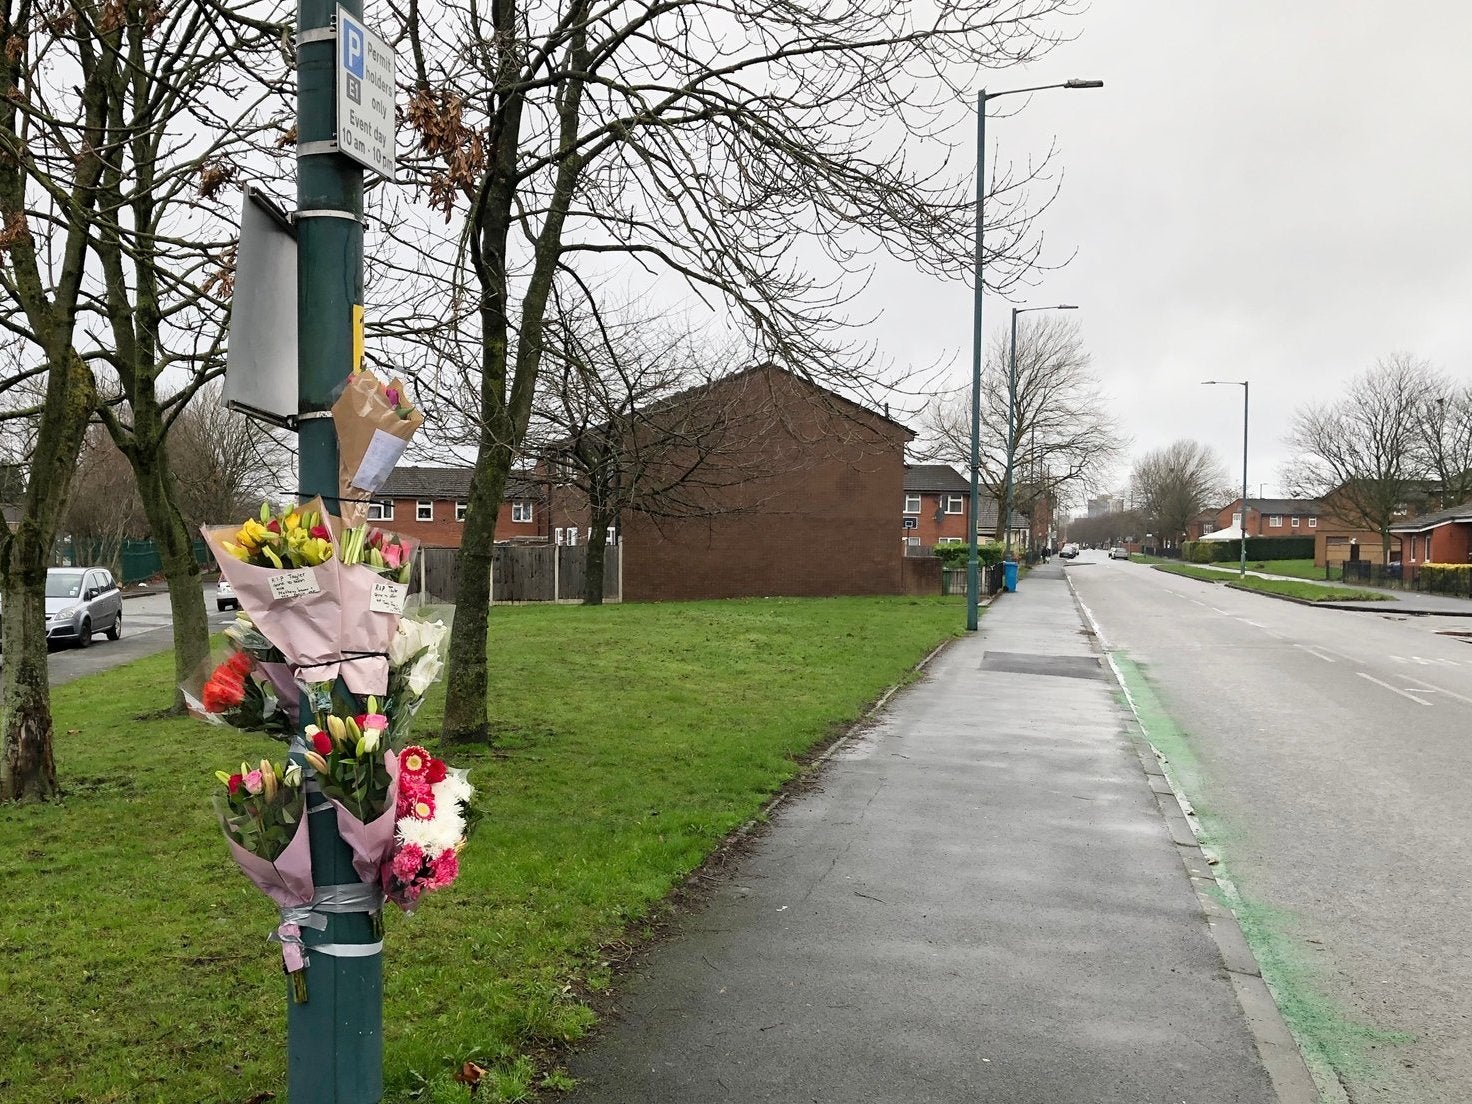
point(1242, 572)
point(1011, 438)
point(334, 1051)
point(973, 561)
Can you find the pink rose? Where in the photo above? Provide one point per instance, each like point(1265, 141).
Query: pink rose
point(373, 720)
point(253, 784)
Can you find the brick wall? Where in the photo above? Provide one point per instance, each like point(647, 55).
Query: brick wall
point(443, 531)
point(920, 575)
point(799, 501)
point(932, 523)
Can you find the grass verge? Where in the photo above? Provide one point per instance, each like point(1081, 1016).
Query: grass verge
point(1310, 592)
point(629, 741)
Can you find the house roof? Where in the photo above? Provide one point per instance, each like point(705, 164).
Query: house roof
point(1307, 507)
point(986, 516)
point(937, 477)
point(450, 483)
point(1420, 524)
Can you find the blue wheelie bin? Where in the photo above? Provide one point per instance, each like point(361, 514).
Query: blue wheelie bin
point(1009, 575)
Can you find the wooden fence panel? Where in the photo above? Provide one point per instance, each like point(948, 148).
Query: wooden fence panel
point(519, 573)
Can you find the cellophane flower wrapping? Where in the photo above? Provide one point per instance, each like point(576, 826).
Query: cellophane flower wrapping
point(371, 841)
point(236, 689)
point(374, 578)
point(374, 422)
point(433, 804)
point(297, 609)
point(416, 659)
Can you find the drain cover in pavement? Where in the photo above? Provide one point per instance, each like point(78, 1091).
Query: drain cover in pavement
point(1024, 663)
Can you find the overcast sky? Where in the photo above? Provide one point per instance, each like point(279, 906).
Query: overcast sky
point(1263, 190)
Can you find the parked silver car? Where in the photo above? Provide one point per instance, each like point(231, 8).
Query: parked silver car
point(81, 601)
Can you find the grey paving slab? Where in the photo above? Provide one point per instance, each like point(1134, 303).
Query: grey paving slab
point(980, 901)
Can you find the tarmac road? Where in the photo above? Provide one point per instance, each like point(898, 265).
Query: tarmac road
point(1327, 753)
point(147, 629)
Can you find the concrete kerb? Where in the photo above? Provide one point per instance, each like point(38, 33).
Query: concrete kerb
point(1276, 1047)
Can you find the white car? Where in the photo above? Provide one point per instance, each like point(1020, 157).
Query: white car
point(1118, 553)
point(225, 595)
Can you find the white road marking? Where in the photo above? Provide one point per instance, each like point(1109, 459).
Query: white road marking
point(1315, 652)
point(1395, 690)
point(1440, 690)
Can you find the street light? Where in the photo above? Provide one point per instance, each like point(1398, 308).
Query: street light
point(1006, 516)
point(973, 564)
point(1242, 571)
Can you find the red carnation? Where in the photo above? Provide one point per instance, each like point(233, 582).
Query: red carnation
point(322, 743)
point(233, 783)
point(320, 532)
point(435, 772)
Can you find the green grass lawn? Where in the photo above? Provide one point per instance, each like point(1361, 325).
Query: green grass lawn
point(630, 741)
point(1299, 569)
point(1313, 592)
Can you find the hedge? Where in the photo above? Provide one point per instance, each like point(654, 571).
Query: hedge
point(1258, 548)
point(1446, 578)
point(956, 555)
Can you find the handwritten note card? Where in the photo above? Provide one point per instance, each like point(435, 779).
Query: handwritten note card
point(294, 584)
point(388, 597)
point(379, 458)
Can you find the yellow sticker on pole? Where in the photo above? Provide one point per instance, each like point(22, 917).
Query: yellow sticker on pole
point(357, 338)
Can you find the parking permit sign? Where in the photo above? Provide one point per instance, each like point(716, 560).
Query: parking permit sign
point(365, 96)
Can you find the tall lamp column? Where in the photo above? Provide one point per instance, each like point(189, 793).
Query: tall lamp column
point(1006, 515)
point(973, 562)
point(1242, 567)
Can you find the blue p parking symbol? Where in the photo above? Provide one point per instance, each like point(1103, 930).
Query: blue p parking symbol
point(352, 60)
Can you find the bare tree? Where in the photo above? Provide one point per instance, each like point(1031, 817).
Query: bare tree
point(1063, 438)
point(610, 417)
point(1362, 453)
point(1443, 438)
point(120, 124)
point(223, 463)
point(698, 140)
point(1175, 483)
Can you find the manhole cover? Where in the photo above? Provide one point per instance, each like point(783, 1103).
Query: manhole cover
point(1025, 663)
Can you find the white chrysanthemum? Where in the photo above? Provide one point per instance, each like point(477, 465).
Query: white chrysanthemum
point(434, 835)
point(454, 788)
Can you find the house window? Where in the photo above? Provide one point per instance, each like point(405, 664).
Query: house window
point(1294, 522)
point(912, 504)
point(951, 540)
point(955, 504)
point(572, 535)
point(558, 536)
point(381, 510)
point(612, 537)
point(912, 542)
point(424, 510)
point(1275, 521)
point(1313, 523)
point(521, 511)
point(460, 508)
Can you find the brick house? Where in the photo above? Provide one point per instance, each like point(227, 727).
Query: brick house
point(1273, 517)
point(797, 499)
point(1444, 537)
point(429, 503)
point(935, 511)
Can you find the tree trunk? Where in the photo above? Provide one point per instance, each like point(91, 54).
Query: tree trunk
point(465, 673)
point(28, 768)
point(181, 569)
point(602, 518)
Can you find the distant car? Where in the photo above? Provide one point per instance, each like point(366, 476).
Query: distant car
point(1118, 553)
point(225, 595)
point(1069, 551)
point(81, 601)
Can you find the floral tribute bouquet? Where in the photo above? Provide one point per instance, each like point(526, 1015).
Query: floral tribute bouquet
point(373, 580)
point(358, 774)
point(284, 568)
point(240, 693)
point(415, 658)
point(375, 422)
point(433, 803)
